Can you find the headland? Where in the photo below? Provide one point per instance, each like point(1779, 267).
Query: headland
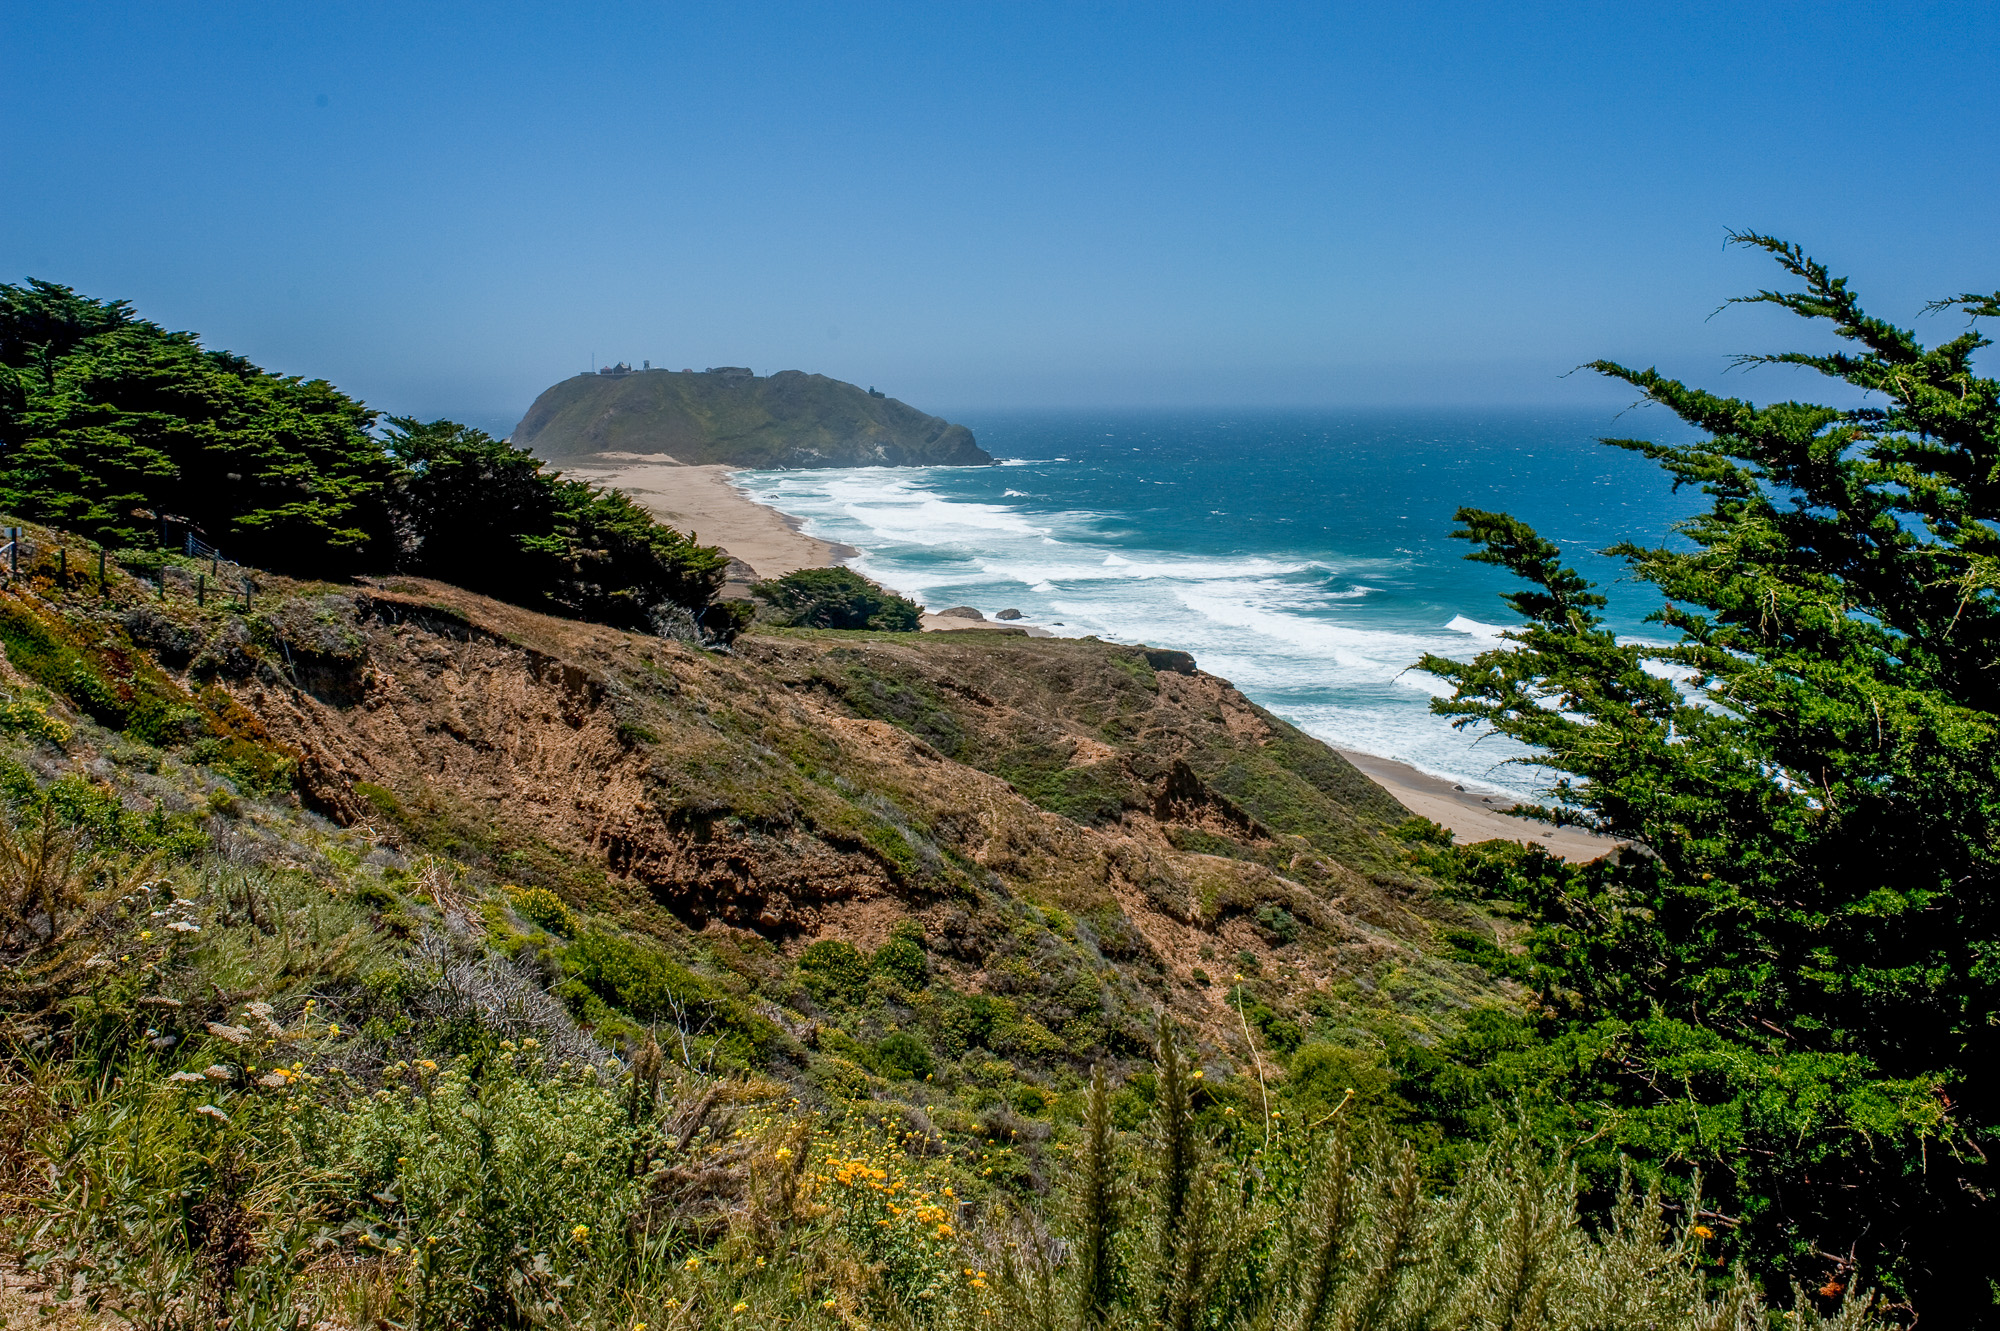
point(733, 416)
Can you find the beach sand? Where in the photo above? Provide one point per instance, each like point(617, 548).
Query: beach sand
point(1470, 815)
point(701, 500)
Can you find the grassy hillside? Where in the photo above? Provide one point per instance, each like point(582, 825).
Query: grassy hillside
point(788, 419)
point(1090, 833)
point(390, 955)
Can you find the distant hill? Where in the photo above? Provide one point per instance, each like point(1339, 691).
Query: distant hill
point(787, 419)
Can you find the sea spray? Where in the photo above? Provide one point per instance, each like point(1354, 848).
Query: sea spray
point(1304, 556)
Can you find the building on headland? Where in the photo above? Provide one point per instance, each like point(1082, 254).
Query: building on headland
point(623, 368)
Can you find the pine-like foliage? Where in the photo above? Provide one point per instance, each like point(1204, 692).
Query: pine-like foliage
point(108, 423)
point(836, 598)
point(1317, 1234)
point(1796, 983)
point(120, 431)
point(482, 514)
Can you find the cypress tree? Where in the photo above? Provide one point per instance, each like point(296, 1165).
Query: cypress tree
point(1794, 983)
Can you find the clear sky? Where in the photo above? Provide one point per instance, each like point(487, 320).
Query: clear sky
point(445, 208)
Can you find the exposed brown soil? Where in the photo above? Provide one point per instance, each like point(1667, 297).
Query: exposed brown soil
point(815, 785)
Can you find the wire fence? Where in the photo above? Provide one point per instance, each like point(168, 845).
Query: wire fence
point(19, 549)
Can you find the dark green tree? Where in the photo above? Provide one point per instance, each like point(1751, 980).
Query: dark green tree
point(484, 515)
point(1795, 985)
point(836, 598)
point(109, 423)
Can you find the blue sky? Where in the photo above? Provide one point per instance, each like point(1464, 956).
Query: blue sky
point(443, 209)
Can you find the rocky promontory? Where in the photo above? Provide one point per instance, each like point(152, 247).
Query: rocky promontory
point(732, 416)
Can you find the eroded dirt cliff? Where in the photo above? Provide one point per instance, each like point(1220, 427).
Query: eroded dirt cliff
point(1059, 815)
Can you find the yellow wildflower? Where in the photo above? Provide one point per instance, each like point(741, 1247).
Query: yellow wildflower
point(144, 934)
point(1702, 1232)
point(693, 1263)
point(741, 1308)
point(580, 1234)
point(333, 1028)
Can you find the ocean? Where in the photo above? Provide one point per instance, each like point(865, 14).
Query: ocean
point(1305, 556)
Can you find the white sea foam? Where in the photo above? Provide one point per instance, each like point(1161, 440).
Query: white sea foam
point(1487, 634)
point(1295, 634)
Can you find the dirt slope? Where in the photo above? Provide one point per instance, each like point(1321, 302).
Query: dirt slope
point(1093, 829)
point(826, 785)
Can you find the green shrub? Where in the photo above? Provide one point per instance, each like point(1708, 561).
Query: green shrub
point(634, 977)
point(832, 966)
point(1324, 1077)
point(902, 960)
point(903, 1055)
point(839, 1077)
point(499, 1187)
point(540, 906)
point(1277, 924)
point(31, 719)
point(1470, 946)
point(836, 598)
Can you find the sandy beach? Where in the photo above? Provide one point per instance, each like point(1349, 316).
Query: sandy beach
point(701, 500)
point(1471, 815)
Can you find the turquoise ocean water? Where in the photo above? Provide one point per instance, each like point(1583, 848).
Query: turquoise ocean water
point(1305, 556)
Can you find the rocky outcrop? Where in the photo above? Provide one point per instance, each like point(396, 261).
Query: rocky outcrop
point(787, 419)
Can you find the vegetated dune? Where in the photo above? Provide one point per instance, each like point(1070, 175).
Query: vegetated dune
point(787, 419)
point(1084, 829)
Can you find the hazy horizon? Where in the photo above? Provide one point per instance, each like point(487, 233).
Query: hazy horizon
point(445, 209)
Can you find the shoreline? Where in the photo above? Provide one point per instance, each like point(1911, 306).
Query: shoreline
point(765, 543)
point(700, 499)
point(1470, 815)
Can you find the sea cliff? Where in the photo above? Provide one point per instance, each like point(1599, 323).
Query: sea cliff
point(787, 419)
